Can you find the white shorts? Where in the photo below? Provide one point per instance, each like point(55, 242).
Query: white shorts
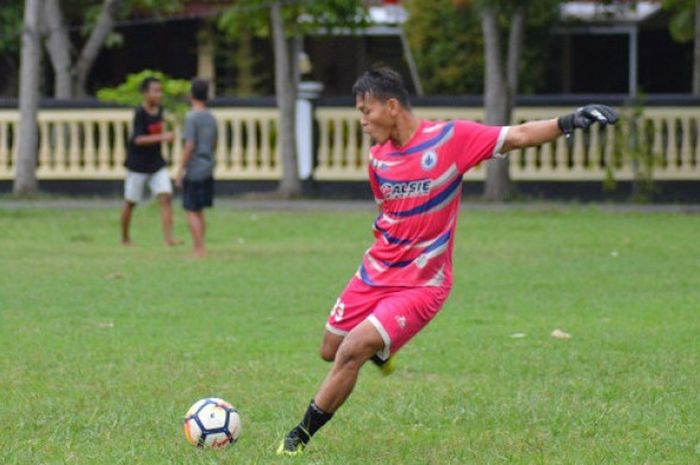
point(135, 184)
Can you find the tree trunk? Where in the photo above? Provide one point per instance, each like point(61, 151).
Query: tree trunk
point(296, 46)
point(696, 53)
point(286, 99)
point(70, 82)
point(516, 38)
point(498, 186)
point(59, 47)
point(103, 28)
point(30, 60)
point(500, 91)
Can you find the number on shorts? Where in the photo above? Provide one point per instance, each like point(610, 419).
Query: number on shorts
point(338, 310)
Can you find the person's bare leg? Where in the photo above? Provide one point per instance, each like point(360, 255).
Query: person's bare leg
point(195, 221)
point(329, 345)
point(358, 347)
point(204, 225)
point(126, 221)
point(166, 217)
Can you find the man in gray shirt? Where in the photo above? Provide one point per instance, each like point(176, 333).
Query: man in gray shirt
point(195, 175)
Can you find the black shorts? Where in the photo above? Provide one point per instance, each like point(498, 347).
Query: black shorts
point(197, 195)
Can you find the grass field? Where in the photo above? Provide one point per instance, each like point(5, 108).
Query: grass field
point(103, 349)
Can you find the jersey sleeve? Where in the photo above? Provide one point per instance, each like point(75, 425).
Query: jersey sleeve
point(475, 142)
point(188, 129)
point(373, 183)
point(140, 128)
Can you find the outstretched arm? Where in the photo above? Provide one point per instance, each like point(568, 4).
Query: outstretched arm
point(531, 133)
point(540, 132)
point(153, 139)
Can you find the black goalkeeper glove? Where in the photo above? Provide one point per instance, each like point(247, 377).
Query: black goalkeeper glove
point(584, 117)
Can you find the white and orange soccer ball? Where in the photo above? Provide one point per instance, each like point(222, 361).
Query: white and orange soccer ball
point(212, 422)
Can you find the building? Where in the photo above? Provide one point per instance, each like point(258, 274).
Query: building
point(621, 47)
point(626, 43)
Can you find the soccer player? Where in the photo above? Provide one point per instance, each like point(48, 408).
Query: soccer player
point(145, 166)
point(415, 172)
point(195, 175)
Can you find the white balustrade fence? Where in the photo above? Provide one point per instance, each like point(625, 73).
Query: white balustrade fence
point(92, 143)
point(668, 134)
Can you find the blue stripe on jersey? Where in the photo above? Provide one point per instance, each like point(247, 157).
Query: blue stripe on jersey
point(437, 200)
point(389, 238)
point(376, 224)
point(428, 143)
point(395, 240)
point(401, 264)
point(365, 277)
point(440, 241)
point(381, 180)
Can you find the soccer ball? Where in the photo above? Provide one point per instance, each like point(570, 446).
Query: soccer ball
point(212, 422)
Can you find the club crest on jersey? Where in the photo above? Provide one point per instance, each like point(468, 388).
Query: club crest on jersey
point(429, 160)
point(404, 190)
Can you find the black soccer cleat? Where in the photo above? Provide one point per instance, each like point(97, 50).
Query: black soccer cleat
point(387, 366)
point(292, 445)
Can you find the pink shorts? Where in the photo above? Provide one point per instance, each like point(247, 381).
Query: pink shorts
point(398, 313)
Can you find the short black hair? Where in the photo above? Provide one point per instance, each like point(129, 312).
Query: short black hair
point(382, 83)
point(146, 83)
point(199, 89)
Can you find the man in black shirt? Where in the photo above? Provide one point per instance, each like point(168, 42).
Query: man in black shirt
point(145, 164)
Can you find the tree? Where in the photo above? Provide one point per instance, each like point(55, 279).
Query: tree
point(685, 26)
point(447, 46)
point(286, 84)
point(459, 48)
point(30, 60)
point(175, 92)
point(501, 79)
point(499, 89)
point(70, 75)
point(696, 52)
point(286, 22)
point(97, 21)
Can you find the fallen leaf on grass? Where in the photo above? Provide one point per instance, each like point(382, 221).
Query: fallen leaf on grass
point(116, 275)
point(559, 334)
point(517, 335)
point(105, 324)
point(80, 238)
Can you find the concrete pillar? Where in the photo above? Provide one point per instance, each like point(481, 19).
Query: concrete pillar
point(308, 92)
point(633, 57)
point(205, 62)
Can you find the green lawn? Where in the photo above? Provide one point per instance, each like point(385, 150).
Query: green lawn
point(103, 348)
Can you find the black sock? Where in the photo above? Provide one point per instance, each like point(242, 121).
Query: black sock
point(377, 361)
point(314, 419)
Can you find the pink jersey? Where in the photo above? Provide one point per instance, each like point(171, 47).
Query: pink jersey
point(418, 187)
